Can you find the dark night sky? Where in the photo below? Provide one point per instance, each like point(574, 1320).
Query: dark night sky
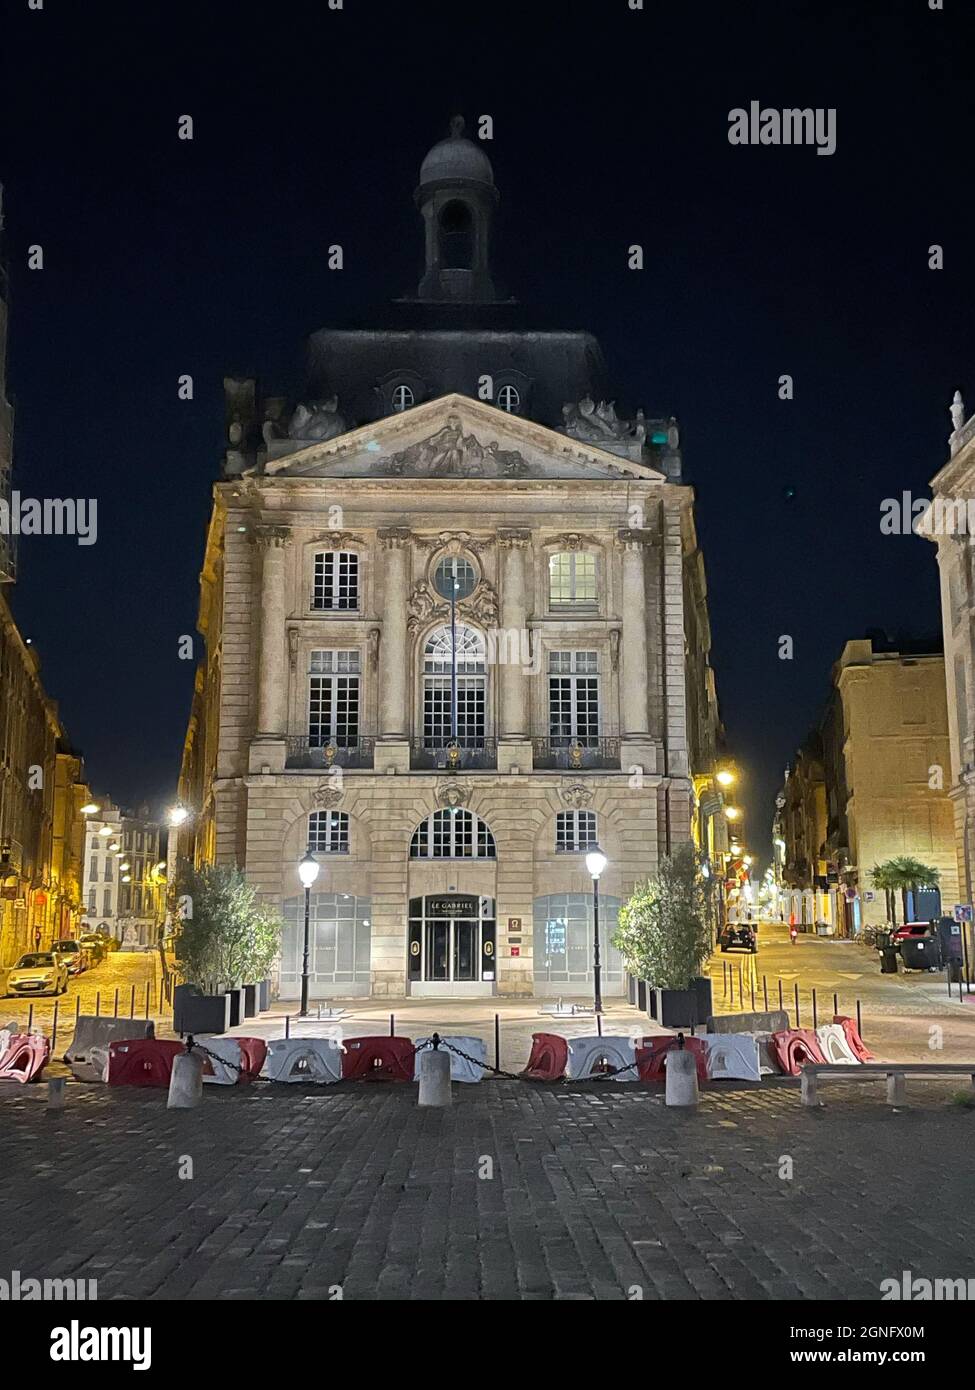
point(164, 257)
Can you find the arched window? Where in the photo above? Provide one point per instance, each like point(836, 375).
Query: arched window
point(335, 583)
point(443, 670)
point(456, 236)
point(328, 832)
point(508, 399)
point(403, 398)
point(452, 834)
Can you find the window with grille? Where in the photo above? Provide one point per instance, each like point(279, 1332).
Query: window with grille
point(452, 834)
point(107, 903)
point(109, 868)
point(333, 699)
point(471, 688)
point(93, 867)
point(336, 580)
point(572, 579)
point(573, 698)
point(403, 398)
point(575, 831)
point(92, 905)
point(328, 832)
point(509, 399)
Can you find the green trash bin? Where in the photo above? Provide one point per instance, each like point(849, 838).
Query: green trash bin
point(888, 960)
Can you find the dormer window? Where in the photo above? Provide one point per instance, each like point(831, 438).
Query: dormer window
point(402, 398)
point(509, 399)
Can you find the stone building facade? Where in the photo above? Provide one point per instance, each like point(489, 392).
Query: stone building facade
point(873, 785)
point(124, 875)
point(447, 642)
point(950, 524)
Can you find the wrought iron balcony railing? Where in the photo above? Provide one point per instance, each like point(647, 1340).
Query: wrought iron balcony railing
point(576, 754)
point(312, 752)
point(464, 755)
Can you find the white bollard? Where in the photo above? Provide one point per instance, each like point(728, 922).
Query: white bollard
point(55, 1093)
point(434, 1078)
point(681, 1078)
point(186, 1082)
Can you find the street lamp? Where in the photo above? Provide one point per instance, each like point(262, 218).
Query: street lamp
point(89, 808)
point(307, 872)
point(595, 864)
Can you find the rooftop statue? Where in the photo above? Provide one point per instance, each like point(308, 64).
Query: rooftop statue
point(319, 421)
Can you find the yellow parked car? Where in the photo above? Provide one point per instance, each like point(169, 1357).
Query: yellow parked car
point(39, 972)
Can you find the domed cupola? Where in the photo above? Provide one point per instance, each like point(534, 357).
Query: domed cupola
point(457, 198)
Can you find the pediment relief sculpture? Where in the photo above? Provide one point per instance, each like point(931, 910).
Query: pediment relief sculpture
point(450, 453)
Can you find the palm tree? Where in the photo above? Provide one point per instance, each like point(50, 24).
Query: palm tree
point(905, 874)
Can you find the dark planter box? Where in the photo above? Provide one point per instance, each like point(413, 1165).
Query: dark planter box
point(194, 1012)
point(680, 1008)
point(257, 998)
point(641, 994)
point(236, 998)
point(250, 1001)
point(702, 988)
point(631, 989)
point(263, 996)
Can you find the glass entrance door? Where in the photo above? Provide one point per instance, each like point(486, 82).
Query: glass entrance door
point(451, 940)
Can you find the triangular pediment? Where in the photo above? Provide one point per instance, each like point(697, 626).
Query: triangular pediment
point(456, 436)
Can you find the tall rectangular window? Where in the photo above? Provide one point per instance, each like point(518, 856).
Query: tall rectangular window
point(336, 580)
point(573, 698)
point(572, 579)
point(107, 903)
point(333, 699)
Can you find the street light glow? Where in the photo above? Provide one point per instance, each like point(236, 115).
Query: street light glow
point(725, 777)
point(89, 808)
point(595, 862)
point(732, 812)
point(308, 869)
point(177, 814)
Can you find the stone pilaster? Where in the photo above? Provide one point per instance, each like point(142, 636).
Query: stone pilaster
point(637, 746)
point(393, 749)
point(268, 747)
point(515, 752)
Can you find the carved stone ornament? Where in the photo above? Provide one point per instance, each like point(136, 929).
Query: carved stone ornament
point(422, 606)
point(572, 540)
point(293, 648)
point(482, 605)
point(453, 793)
point(326, 797)
point(338, 540)
point(374, 639)
point(270, 537)
point(576, 794)
point(318, 421)
point(614, 648)
point(595, 424)
point(454, 542)
point(450, 453)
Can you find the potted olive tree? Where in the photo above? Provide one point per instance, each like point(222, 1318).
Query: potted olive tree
point(226, 941)
point(664, 938)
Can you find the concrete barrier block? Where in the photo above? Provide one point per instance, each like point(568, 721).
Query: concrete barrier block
point(774, 1021)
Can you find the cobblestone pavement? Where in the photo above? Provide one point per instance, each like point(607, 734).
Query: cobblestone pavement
point(517, 1192)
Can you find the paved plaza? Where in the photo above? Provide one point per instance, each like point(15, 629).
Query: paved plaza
point(519, 1191)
